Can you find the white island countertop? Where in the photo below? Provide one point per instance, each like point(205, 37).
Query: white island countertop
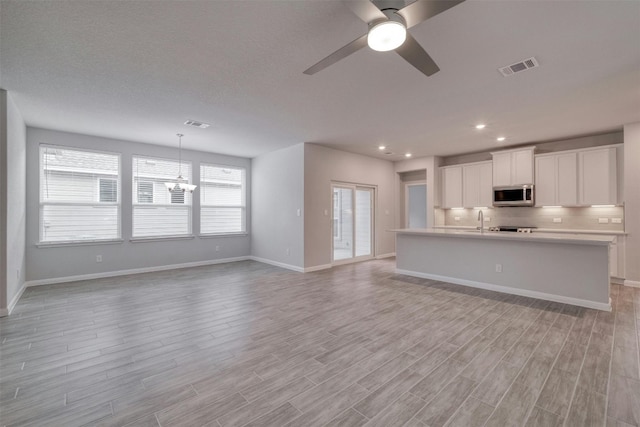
point(581, 239)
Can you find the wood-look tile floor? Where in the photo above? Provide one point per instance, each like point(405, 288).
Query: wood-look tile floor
point(250, 344)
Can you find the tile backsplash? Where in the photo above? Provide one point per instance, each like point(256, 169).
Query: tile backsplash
point(587, 218)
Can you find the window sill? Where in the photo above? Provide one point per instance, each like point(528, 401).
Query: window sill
point(78, 243)
point(214, 235)
point(160, 238)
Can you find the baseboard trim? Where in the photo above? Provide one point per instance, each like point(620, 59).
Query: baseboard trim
point(513, 291)
point(15, 300)
point(389, 255)
point(116, 273)
point(4, 312)
point(317, 268)
point(632, 283)
point(277, 264)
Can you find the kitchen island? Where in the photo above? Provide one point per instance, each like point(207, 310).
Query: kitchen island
point(572, 269)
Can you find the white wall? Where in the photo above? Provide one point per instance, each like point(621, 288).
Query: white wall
point(13, 165)
point(277, 194)
point(632, 202)
point(322, 166)
point(430, 165)
point(45, 263)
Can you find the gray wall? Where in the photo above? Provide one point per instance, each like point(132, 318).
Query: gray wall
point(322, 166)
point(13, 164)
point(632, 201)
point(277, 194)
point(65, 261)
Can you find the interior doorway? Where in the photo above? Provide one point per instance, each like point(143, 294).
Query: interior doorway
point(352, 222)
point(416, 205)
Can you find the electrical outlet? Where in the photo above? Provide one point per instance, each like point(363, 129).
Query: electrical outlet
point(288, 251)
point(456, 218)
point(603, 220)
point(498, 268)
point(326, 212)
point(487, 219)
point(18, 273)
point(217, 248)
point(616, 220)
point(98, 258)
point(557, 220)
point(298, 212)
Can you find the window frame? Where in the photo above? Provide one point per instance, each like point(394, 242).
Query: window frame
point(242, 206)
point(95, 203)
point(153, 204)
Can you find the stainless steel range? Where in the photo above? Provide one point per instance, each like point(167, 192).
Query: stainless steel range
point(513, 229)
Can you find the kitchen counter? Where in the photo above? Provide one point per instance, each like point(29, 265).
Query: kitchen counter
point(567, 268)
point(581, 239)
point(542, 230)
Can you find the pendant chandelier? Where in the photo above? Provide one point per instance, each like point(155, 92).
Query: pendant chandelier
point(180, 185)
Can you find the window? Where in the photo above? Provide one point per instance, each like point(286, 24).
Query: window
point(145, 192)
point(108, 190)
point(157, 212)
point(79, 195)
point(222, 199)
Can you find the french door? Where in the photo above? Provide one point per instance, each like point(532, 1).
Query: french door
point(352, 222)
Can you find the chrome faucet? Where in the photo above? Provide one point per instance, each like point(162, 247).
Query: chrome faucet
point(481, 219)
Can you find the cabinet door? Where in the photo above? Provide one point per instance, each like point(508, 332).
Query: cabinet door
point(522, 167)
point(501, 169)
point(452, 189)
point(486, 185)
point(567, 179)
point(598, 177)
point(471, 186)
point(545, 190)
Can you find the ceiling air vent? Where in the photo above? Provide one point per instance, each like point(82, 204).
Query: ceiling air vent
point(196, 124)
point(523, 65)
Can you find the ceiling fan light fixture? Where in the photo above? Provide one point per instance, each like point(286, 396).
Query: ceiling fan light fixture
point(387, 35)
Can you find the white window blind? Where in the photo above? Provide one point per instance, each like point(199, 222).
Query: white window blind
point(222, 199)
point(79, 195)
point(157, 212)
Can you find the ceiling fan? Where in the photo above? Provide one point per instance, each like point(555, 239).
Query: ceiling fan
point(388, 25)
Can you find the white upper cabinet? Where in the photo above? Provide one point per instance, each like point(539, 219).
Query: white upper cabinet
point(513, 167)
point(452, 187)
point(556, 179)
point(477, 185)
point(597, 171)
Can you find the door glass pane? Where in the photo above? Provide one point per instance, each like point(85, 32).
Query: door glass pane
point(342, 223)
point(417, 206)
point(363, 222)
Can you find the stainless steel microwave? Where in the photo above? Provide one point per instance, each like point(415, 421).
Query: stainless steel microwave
point(516, 195)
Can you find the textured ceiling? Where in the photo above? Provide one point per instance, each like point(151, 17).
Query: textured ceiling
point(137, 70)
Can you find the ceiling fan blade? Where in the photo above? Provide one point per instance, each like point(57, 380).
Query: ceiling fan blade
point(336, 56)
point(365, 10)
point(415, 55)
point(421, 10)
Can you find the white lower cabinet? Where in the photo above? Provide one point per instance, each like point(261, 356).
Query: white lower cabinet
point(616, 257)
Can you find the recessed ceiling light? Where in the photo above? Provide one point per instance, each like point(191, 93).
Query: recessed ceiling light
point(500, 138)
point(381, 147)
point(407, 155)
point(481, 126)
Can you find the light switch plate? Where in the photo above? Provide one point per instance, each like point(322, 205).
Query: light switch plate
point(557, 220)
point(456, 218)
point(603, 220)
point(616, 220)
